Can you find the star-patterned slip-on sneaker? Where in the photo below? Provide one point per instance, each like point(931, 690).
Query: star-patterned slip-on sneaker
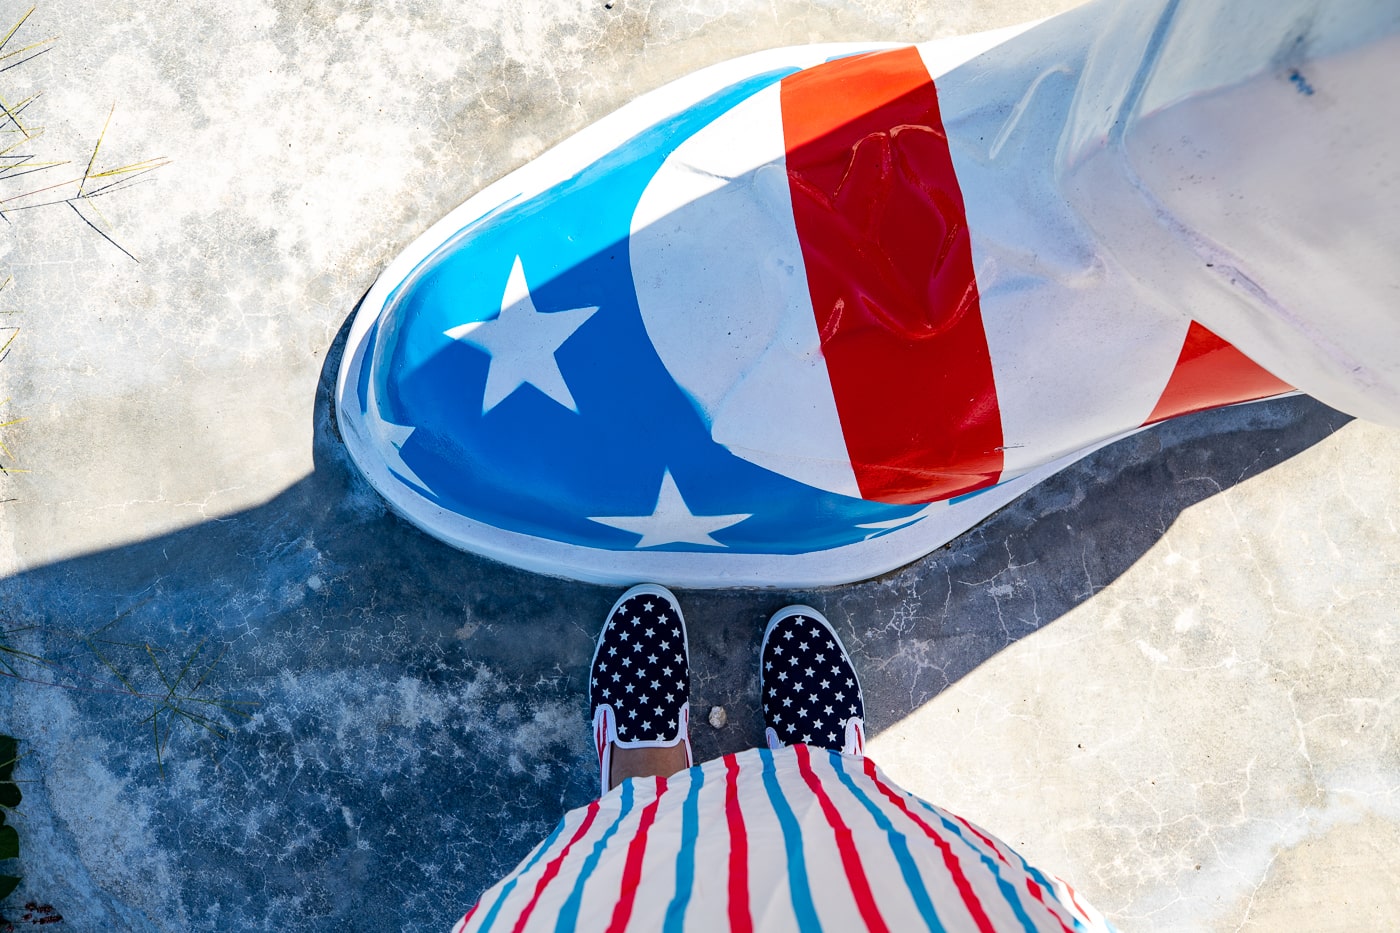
point(811, 694)
point(639, 682)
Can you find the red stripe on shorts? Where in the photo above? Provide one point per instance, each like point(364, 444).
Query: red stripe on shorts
point(960, 881)
point(632, 868)
point(1031, 886)
point(740, 918)
point(552, 868)
point(845, 844)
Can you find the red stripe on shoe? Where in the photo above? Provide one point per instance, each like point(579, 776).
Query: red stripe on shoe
point(632, 868)
point(884, 236)
point(552, 869)
point(954, 865)
point(600, 735)
point(845, 845)
point(740, 917)
point(1209, 373)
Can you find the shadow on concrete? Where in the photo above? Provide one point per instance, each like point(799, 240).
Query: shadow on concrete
point(421, 712)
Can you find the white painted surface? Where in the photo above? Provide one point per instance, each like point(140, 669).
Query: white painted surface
point(722, 288)
point(1243, 164)
point(522, 343)
point(1079, 351)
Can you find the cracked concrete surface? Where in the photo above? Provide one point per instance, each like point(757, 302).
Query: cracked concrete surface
point(1168, 674)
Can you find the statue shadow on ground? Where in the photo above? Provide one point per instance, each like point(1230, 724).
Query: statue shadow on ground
point(421, 713)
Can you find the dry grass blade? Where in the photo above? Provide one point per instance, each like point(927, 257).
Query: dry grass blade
point(95, 148)
point(113, 668)
point(102, 233)
point(12, 116)
point(5, 424)
point(5, 152)
point(175, 705)
point(132, 170)
point(30, 47)
point(159, 671)
point(146, 165)
point(27, 194)
point(15, 28)
point(42, 45)
point(8, 651)
point(24, 61)
point(7, 173)
point(128, 174)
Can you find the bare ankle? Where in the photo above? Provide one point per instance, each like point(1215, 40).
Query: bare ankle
point(646, 762)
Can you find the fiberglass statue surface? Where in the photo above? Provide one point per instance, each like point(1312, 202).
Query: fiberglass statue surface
point(802, 317)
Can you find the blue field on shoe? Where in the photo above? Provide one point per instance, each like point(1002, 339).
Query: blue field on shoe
point(578, 434)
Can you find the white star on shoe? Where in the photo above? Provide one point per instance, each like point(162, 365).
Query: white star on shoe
point(522, 342)
point(671, 521)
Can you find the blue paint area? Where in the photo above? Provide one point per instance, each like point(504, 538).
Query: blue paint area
point(532, 465)
point(1301, 83)
point(971, 495)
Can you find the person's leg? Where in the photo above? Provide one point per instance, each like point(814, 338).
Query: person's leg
point(639, 686)
point(646, 762)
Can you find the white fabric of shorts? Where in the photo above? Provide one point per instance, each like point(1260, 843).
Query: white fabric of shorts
point(795, 838)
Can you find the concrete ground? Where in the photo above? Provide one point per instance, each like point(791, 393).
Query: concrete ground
point(1169, 674)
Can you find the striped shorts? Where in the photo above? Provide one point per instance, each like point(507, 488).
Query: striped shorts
point(792, 839)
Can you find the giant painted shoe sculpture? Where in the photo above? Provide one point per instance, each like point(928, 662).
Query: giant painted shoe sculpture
point(802, 317)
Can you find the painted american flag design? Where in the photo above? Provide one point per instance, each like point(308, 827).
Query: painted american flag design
point(778, 334)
